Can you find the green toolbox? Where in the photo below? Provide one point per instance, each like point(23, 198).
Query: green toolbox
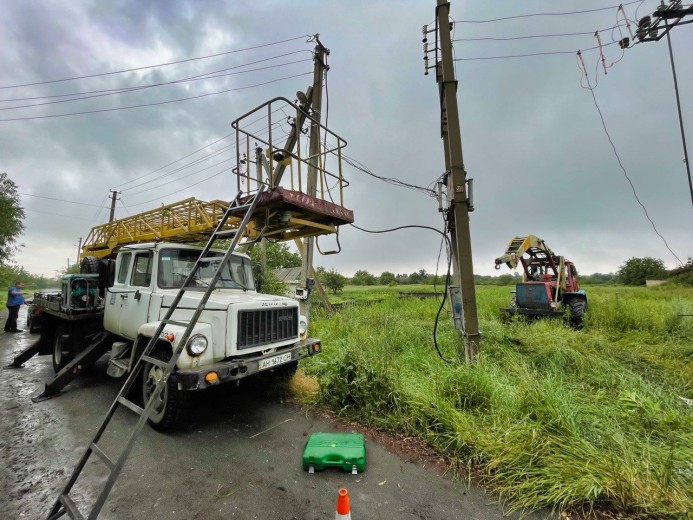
point(335, 450)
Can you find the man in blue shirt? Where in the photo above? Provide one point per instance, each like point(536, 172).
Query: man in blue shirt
point(15, 298)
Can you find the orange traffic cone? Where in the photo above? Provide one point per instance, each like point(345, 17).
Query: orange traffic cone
point(343, 511)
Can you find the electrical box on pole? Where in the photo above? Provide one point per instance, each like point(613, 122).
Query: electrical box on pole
point(458, 189)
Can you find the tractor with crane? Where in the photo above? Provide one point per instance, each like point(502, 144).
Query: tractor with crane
point(549, 285)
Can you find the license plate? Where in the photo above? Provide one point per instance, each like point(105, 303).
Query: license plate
point(274, 361)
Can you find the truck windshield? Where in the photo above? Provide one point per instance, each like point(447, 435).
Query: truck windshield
point(175, 266)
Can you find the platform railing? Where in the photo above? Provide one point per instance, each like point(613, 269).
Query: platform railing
point(262, 152)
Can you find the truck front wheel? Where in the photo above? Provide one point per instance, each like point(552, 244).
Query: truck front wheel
point(62, 348)
point(171, 406)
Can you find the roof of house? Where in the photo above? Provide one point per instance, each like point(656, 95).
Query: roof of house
point(288, 274)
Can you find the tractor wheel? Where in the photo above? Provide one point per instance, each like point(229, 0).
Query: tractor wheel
point(577, 312)
point(89, 265)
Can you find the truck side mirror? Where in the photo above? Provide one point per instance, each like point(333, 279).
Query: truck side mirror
point(259, 275)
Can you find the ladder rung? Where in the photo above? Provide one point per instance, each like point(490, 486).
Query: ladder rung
point(174, 322)
point(154, 361)
point(193, 289)
point(105, 458)
point(211, 258)
point(236, 209)
point(71, 507)
point(129, 404)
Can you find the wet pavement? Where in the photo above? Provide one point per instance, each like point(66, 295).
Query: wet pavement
point(240, 457)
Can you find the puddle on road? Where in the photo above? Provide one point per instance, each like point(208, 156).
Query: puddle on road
point(36, 455)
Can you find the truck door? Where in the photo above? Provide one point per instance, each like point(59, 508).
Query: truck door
point(127, 301)
point(117, 293)
point(135, 300)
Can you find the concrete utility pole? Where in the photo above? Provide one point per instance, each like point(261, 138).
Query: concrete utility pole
point(458, 192)
point(79, 248)
point(314, 165)
point(113, 205)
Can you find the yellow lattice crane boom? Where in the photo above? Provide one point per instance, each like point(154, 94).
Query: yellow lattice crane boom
point(281, 215)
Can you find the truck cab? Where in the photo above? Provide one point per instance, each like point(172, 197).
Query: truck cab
point(237, 321)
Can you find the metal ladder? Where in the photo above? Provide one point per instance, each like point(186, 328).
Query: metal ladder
point(64, 504)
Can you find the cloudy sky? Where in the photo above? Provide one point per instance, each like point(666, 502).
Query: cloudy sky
point(532, 137)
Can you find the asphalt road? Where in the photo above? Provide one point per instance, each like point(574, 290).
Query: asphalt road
point(240, 457)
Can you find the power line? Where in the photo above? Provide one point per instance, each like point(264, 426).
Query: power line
point(53, 214)
point(547, 53)
point(189, 165)
point(549, 14)
point(135, 87)
point(154, 104)
point(127, 90)
point(158, 186)
point(177, 160)
point(447, 278)
point(390, 180)
point(157, 65)
point(182, 189)
point(60, 200)
point(190, 155)
point(618, 158)
point(557, 35)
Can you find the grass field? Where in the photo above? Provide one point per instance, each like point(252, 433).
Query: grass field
point(594, 419)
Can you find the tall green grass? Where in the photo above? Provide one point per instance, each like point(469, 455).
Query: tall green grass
point(549, 417)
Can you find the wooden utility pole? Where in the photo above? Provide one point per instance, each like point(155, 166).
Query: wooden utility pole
point(113, 205)
point(314, 165)
point(458, 190)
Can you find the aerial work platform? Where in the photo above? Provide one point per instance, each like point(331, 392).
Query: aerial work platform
point(303, 190)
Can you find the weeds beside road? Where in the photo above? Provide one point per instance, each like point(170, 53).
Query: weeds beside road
point(549, 416)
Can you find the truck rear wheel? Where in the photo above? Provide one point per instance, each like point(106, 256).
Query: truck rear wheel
point(62, 348)
point(171, 406)
point(577, 312)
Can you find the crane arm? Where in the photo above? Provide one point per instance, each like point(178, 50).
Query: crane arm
point(518, 246)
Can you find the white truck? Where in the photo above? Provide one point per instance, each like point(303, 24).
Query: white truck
point(239, 332)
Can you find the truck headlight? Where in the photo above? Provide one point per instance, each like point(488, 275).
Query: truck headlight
point(302, 327)
point(196, 345)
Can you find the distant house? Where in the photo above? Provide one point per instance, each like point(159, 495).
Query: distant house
point(291, 276)
point(654, 283)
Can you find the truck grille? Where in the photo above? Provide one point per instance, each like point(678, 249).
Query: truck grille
point(261, 327)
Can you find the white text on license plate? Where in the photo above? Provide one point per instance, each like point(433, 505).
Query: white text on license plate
point(274, 361)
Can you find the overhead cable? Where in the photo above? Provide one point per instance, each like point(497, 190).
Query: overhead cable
point(60, 200)
point(128, 90)
point(174, 162)
point(158, 199)
point(547, 53)
point(529, 15)
point(531, 36)
point(157, 65)
point(137, 87)
point(155, 104)
point(583, 69)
